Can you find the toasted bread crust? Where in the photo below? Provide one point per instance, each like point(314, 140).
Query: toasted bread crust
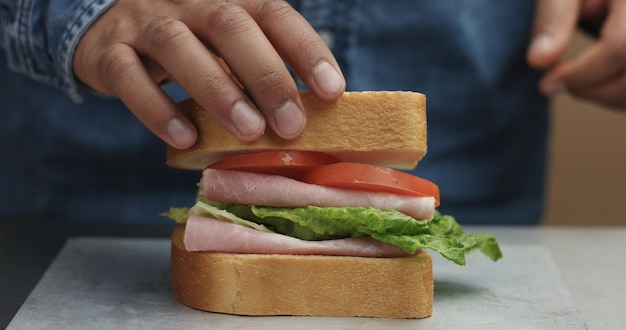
point(258, 284)
point(381, 128)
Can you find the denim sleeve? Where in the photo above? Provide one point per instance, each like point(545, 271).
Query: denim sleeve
point(39, 37)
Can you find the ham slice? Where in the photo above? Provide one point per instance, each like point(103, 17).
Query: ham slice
point(274, 190)
point(212, 235)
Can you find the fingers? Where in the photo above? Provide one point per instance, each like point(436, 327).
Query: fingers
point(594, 66)
point(599, 72)
point(555, 22)
point(610, 93)
point(170, 43)
point(302, 48)
point(229, 56)
point(125, 75)
point(259, 28)
point(253, 45)
point(234, 33)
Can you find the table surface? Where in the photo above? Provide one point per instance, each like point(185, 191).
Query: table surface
point(589, 261)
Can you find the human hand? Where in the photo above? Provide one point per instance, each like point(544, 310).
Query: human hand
point(599, 72)
point(229, 56)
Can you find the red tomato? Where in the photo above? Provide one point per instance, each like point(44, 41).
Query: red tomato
point(371, 178)
point(289, 163)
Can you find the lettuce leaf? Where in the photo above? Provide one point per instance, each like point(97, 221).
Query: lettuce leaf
point(178, 214)
point(181, 214)
point(442, 234)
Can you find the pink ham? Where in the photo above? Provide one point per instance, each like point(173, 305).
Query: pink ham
point(274, 190)
point(211, 235)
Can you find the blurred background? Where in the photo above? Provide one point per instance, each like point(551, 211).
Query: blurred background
point(587, 174)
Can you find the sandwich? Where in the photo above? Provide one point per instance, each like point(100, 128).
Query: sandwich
point(327, 224)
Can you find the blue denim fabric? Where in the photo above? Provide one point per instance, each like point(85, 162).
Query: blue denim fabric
point(486, 121)
point(93, 161)
point(69, 154)
point(39, 37)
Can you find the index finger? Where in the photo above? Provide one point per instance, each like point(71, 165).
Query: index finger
point(124, 74)
point(604, 60)
point(174, 46)
point(300, 45)
point(233, 32)
point(255, 38)
point(553, 27)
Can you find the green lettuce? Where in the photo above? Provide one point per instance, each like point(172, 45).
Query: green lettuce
point(442, 234)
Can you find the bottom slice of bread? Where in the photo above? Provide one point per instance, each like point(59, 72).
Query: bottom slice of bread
point(261, 284)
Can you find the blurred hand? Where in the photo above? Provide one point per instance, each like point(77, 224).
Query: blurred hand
point(598, 73)
point(228, 55)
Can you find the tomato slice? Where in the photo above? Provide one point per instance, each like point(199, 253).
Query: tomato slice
point(289, 163)
point(371, 178)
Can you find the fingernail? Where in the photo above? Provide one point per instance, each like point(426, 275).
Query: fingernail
point(541, 44)
point(289, 119)
point(246, 120)
point(180, 133)
point(327, 78)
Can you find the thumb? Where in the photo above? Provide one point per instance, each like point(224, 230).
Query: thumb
point(554, 23)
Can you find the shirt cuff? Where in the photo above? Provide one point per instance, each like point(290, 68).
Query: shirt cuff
point(77, 24)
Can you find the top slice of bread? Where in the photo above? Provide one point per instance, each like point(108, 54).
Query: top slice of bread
point(380, 128)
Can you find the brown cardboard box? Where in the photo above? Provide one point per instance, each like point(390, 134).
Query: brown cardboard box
point(587, 175)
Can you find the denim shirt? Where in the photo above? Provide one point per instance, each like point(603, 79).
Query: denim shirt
point(74, 155)
point(39, 37)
